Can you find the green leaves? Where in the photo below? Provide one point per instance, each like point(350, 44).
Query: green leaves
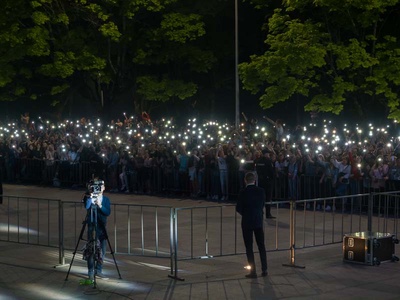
point(59, 89)
point(110, 30)
point(40, 18)
point(296, 51)
point(62, 66)
point(38, 38)
point(353, 56)
point(52, 48)
point(331, 53)
point(180, 28)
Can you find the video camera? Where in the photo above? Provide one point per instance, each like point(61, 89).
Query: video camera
point(95, 187)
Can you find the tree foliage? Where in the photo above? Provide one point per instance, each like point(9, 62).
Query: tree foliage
point(53, 50)
point(331, 52)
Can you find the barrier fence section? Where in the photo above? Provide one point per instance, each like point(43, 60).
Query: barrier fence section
point(386, 206)
point(216, 231)
point(132, 229)
point(157, 180)
point(200, 231)
point(29, 220)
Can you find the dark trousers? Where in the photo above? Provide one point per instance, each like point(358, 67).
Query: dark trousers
point(248, 242)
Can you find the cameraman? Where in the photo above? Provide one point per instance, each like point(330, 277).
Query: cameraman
point(98, 205)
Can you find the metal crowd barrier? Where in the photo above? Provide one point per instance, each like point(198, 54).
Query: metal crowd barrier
point(132, 229)
point(212, 231)
point(34, 221)
point(197, 232)
point(157, 181)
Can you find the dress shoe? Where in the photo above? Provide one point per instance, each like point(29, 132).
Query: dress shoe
point(264, 274)
point(251, 275)
point(269, 217)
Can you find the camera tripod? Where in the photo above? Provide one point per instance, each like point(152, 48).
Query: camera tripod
point(93, 237)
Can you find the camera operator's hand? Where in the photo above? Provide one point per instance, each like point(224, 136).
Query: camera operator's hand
point(95, 200)
point(98, 203)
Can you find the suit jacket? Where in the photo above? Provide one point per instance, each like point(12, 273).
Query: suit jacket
point(250, 206)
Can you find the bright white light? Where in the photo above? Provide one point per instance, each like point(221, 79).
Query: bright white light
point(15, 229)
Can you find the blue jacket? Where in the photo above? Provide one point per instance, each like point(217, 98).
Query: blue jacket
point(102, 213)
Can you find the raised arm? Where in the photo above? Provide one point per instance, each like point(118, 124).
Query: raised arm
point(270, 120)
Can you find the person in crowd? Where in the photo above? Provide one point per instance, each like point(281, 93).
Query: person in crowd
point(279, 130)
point(168, 167)
point(147, 174)
point(49, 163)
point(201, 173)
point(183, 161)
point(265, 175)
point(139, 163)
point(73, 158)
point(250, 206)
point(212, 173)
point(379, 174)
point(112, 167)
point(73, 154)
point(244, 159)
point(11, 157)
point(292, 178)
point(146, 117)
point(394, 174)
point(193, 165)
point(281, 177)
point(223, 173)
point(50, 155)
point(126, 171)
point(164, 135)
point(119, 123)
point(356, 176)
point(233, 164)
point(320, 171)
point(323, 170)
point(343, 178)
point(25, 120)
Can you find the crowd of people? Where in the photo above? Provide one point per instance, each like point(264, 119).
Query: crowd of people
point(136, 154)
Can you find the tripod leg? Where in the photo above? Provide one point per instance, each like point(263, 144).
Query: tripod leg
point(76, 247)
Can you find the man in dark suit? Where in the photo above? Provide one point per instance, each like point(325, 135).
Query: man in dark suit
point(250, 206)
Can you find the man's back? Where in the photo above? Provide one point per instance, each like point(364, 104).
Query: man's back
point(250, 205)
